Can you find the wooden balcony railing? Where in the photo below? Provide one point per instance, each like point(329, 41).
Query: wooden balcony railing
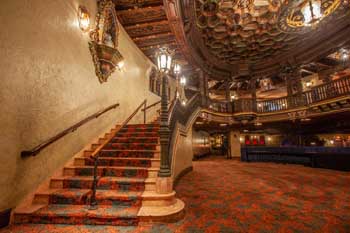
point(327, 91)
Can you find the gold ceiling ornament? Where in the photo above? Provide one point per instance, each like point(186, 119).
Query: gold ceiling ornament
point(104, 41)
point(301, 16)
point(241, 30)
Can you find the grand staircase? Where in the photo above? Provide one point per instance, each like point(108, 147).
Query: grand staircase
point(127, 169)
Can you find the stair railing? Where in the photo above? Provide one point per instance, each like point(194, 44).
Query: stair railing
point(144, 110)
point(36, 150)
point(96, 154)
point(180, 113)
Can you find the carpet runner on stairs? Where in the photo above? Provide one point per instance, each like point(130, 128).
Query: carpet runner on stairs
point(125, 163)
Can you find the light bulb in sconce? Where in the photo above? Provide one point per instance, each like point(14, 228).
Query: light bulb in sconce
point(183, 102)
point(84, 19)
point(120, 65)
point(183, 80)
point(308, 84)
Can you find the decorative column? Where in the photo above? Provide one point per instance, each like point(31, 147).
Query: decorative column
point(289, 84)
point(164, 131)
point(228, 96)
point(203, 87)
point(253, 93)
point(299, 87)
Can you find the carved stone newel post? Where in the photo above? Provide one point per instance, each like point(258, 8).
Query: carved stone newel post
point(164, 130)
point(164, 181)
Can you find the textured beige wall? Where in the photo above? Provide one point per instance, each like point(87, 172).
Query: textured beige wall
point(183, 154)
point(200, 143)
point(48, 84)
point(235, 144)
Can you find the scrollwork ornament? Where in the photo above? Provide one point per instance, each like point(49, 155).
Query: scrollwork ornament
point(104, 41)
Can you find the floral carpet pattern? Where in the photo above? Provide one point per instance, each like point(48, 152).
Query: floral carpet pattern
point(231, 196)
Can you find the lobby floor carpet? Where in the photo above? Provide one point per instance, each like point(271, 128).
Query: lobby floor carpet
point(230, 196)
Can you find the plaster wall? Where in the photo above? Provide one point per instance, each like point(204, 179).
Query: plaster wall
point(48, 83)
point(200, 143)
point(235, 144)
point(183, 155)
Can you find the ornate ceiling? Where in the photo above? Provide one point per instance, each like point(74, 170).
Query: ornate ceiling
point(258, 37)
point(236, 38)
point(242, 30)
point(147, 24)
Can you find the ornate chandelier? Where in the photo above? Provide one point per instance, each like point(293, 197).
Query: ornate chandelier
point(299, 16)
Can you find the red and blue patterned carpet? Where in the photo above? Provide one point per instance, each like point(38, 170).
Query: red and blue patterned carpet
point(231, 196)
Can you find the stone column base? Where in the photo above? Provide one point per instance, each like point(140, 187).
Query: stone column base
point(164, 185)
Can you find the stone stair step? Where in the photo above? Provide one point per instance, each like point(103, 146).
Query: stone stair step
point(152, 125)
point(110, 161)
point(132, 146)
point(82, 197)
point(126, 153)
point(140, 129)
point(80, 214)
point(104, 183)
point(135, 140)
point(137, 134)
point(140, 172)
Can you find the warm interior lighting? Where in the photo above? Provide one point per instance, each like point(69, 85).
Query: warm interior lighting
point(120, 65)
point(306, 119)
point(234, 97)
point(83, 18)
point(308, 84)
point(344, 55)
point(177, 68)
point(183, 102)
point(269, 139)
point(312, 12)
point(259, 105)
point(332, 142)
point(164, 60)
point(241, 139)
point(223, 124)
point(183, 80)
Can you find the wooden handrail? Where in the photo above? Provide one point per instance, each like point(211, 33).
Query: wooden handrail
point(95, 155)
point(151, 106)
point(37, 149)
point(98, 149)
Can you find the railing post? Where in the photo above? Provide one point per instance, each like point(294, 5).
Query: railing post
point(164, 131)
point(144, 111)
point(93, 201)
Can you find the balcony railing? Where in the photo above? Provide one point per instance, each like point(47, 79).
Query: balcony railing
point(327, 91)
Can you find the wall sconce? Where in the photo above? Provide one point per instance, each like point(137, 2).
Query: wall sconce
point(104, 41)
point(84, 19)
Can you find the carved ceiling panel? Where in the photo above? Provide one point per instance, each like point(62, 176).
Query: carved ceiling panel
point(127, 4)
point(147, 29)
point(141, 15)
point(242, 30)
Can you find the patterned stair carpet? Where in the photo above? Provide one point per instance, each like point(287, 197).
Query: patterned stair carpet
point(230, 196)
point(124, 165)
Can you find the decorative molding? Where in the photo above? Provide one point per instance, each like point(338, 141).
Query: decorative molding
point(103, 46)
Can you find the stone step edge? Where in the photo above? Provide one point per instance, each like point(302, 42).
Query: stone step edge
point(162, 214)
point(80, 161)
point(42, 197)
